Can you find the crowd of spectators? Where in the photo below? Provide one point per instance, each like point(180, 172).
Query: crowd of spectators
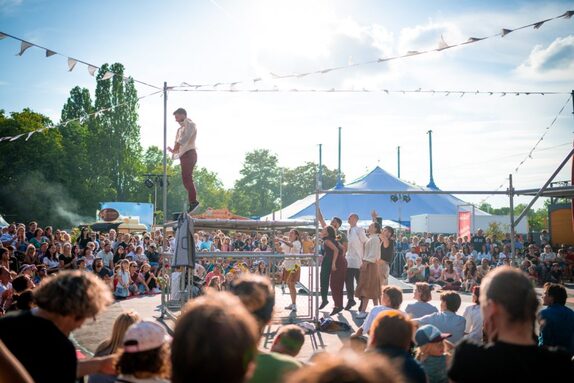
point(456, 263)
point(53, 283)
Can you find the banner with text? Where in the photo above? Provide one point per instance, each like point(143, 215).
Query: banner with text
point(464, 224)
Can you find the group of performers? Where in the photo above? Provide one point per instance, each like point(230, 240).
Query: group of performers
point(348, 258)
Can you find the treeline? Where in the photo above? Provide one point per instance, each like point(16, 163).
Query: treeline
point(59, 176)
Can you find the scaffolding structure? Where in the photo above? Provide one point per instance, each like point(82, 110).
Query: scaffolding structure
point(178, 276)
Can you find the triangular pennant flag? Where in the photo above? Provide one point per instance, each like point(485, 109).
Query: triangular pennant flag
point(539, 24)
point(30, 135)
point(2, 36)
point(505, 32)
point(23, 47)
point(474, 39)
point(92, 70)
point(50, 53)
point(413, 53)
point(16, 137)
point(567, 14)
point(107, 76)
point(326, 70)
point(442, 44)
point(71, 64)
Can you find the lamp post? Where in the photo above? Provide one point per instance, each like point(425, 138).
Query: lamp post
point(399, 198)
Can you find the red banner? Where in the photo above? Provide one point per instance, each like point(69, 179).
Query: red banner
point(464, 224)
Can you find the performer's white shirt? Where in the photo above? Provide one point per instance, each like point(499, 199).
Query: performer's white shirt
point(372, 249)
point(289, 264)
point(185, 137)
point(356, 247)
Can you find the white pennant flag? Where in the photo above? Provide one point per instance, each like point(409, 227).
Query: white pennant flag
point(50, 53)
point(30, 135)
point(92, 69)
point(108, 75)
point(71, 64)
point(25, 45)
point(16, 137)
point(442, 44)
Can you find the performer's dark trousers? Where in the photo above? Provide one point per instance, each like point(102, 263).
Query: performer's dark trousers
point(350, 278)
point(188, 161)
point(324, 277)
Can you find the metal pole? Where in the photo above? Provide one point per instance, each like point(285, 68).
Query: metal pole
point(431, 184)
point(165, 153)
point(473, 219)
point(398, 162)
point(320, 179)
point(316, 262)
point(154, 199)
point(544, 187)
point(281, 194)
point(339, 182)
point(512, 222)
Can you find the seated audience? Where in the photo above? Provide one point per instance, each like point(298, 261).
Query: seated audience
point(447, 320)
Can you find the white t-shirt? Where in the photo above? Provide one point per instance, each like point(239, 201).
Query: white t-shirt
point(51, 263)
point(412, 256)
point(366, 326)
point(289, 264)
point(473, 318)
point(356, 247)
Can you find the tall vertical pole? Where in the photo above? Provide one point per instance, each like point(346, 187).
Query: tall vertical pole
point(339, 181)
point(281, 194)
point(431, 184)
point(398, 162)
point(512, 228)
point(320, 178)
point(165, 153)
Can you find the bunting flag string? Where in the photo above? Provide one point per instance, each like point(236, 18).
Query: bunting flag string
point(441, 46)
point(375, 90)
point(78, 119)
point(531, 152)
point(25, 45)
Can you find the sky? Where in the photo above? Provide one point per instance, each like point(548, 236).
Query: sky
point(478, 140)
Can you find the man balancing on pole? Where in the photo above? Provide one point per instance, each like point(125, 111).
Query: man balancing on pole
point(184, 149)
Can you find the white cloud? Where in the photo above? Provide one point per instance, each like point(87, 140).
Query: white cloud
point(555, 62)
point(424, 37)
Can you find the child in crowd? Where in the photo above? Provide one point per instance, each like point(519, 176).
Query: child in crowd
point(433, 352)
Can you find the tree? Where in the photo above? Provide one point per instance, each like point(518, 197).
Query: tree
point(301, 181)
point(257, 191)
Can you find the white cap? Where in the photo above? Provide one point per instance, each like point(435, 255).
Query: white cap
point(144, 336)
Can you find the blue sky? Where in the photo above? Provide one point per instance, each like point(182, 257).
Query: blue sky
point(478, 140)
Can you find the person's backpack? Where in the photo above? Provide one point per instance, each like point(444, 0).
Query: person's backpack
point(331, 326)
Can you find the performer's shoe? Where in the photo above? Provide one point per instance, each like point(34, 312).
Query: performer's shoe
point(336, 310)
point(323, 305)
point(350, 304)
point(192, 207)
point(361, 315)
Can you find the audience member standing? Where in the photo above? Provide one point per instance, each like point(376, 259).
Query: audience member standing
point(356, 247)
point(509, 303)
point(556, 320)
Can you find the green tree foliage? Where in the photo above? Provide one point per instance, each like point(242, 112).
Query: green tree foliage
point(257, 191)
point(301, 181)
point(537, 218)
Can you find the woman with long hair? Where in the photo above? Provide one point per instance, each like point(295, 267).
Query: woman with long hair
point(83, 238)
point(38, 238)
point(469, 275)
point(114, 342)
point(291, 267)
point(20, 242)
point(30, 256)
point(450, 279)
point(51, 259)
point(335, 263)
point(369, 286)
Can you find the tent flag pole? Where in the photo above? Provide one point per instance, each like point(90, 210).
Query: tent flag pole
point(339, 181)
point(513, 223)
point(398, 162)
point(431, 184)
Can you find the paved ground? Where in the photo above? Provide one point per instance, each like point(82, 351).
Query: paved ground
point(92, 333)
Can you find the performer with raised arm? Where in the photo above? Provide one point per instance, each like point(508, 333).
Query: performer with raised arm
point(387, 249)
point(326, 264)
point(184, 150)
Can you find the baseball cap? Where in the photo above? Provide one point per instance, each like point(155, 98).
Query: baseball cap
point(429, 334)
point(144, 336)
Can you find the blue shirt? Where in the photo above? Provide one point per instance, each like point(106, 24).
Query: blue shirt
point(447, 322)
point(557, 327)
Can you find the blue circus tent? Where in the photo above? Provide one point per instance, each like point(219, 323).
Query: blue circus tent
point(342, 205)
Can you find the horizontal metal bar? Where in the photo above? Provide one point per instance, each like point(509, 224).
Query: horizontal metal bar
point(247, 254)
point(414, 191)
point(249, 224)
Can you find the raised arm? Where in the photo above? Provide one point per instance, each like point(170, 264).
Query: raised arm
point(321, 219)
